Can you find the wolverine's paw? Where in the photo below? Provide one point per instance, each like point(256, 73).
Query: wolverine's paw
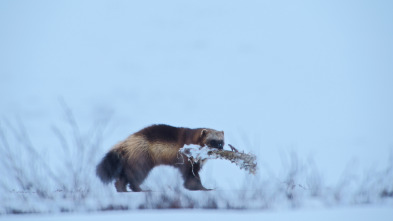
point(147, 191)
point(122, 191)
point(199, 188)
point(202, 189)
point(205, 189)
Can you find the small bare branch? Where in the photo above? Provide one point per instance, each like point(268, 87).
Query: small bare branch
point(233, 148)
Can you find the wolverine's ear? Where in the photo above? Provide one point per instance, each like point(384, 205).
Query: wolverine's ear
point(203, 132)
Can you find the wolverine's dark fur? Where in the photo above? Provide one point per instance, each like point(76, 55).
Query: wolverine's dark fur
point(160, 133)
point(110, 167)
point(130, 161)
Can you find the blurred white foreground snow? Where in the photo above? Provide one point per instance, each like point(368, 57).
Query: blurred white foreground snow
point(369, 213)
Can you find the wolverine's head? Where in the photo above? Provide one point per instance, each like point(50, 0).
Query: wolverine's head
point(212, 138)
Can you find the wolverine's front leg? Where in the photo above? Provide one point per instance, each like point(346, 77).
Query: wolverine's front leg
point(190, 173)
point(194, 183)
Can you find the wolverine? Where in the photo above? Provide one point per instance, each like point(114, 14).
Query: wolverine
point(130, 161)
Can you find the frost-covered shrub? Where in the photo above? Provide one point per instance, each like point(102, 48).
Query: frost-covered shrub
point(244, 161)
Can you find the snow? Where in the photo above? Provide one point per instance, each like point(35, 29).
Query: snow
point(337, 214)
point(305, 86)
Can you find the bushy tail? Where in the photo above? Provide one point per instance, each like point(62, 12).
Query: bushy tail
point(110, 167)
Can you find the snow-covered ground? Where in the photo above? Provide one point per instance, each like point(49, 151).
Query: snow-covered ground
point(354, 213)
point(305, 86)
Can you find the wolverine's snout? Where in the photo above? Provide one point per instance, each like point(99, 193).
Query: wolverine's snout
point(219, 144)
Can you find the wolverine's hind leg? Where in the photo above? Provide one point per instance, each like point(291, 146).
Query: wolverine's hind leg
point(137, 173)
point(135, 178)
point(121, 184)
